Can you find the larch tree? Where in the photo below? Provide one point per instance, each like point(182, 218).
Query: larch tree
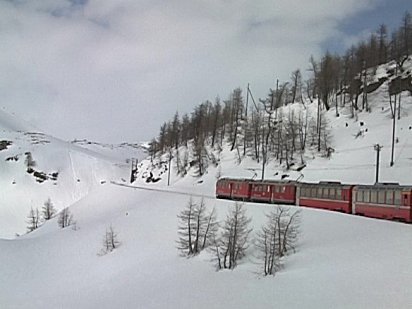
point(196, 228)
point(33, 220)
point(65, 218)
point(277, 237)
point(233, 241)
point(48, 210)
point(110, 240)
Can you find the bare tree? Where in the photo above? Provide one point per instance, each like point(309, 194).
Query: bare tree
point(185, 229)
point(48, 210)
point(267, 247)
point(196, 228)
point(29, 161)
point(33, 220)
point(237, 110)
point(296, 79)
point(233, 242)
point(110, 240)
point(209, 230)
point(288, 225)
point(383, 43)
point(277, 237)
point(65, 218)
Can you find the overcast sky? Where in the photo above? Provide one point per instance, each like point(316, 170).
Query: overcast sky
point(115, 70)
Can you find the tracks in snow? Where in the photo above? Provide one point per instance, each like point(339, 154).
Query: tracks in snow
point(162, 190)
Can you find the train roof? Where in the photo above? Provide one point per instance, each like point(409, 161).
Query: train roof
point(234, 179)
point(385, 185)
point(274, 182)
point(257, 181)
point(325, 184)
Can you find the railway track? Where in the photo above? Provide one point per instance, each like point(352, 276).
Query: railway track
point(163, 190)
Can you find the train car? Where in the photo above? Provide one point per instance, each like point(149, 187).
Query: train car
point(385, 201)
point(273, 192)
point(237, 189)
point(223, 188)
point(325, 195)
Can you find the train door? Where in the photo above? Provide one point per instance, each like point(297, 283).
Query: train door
point(407, 201)
point(353, 200)
point(273, 194)
point(249, 191)
point(298, 188)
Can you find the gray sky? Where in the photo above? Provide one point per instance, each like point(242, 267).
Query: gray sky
point(115, 70)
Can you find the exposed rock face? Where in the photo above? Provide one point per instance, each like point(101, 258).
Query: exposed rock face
point(400, 84)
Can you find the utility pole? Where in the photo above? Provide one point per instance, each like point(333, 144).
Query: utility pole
point(378, 148)
point(394, 122)
point(168, 170)
point(247, 103)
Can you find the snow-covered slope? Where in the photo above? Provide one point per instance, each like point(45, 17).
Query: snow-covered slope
point(63, 171)
point(342, 261)
point(123, 152)
point(352, 139)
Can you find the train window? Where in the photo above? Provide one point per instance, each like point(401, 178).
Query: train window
point(359, 196)
point(306, 192)
point(313, 192)
point(338, 194)
point(319, 193)
point(366, 196)
point(332, 193)
point(389, 197)
point(397, 198)
point(381, 197)
point(374, 197)
point(268, 189)
point(325, 193)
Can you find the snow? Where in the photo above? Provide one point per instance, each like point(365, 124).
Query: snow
point(80, 170)
point(342, 261)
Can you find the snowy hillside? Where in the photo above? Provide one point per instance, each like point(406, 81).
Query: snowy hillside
point(342, 261)
point(63, 171)
point(121, 152)
point(352, 139)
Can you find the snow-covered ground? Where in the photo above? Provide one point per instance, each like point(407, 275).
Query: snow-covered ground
point(342, 261)
point(78, 171)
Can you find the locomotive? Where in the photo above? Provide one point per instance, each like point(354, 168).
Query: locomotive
point(389, 201)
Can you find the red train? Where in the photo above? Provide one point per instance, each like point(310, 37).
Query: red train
point(386, 201)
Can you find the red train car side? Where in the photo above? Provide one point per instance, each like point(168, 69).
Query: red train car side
point(385, 201)
point(237, 189)
point(223, 188)
point(325, 195)
point(273, 192)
